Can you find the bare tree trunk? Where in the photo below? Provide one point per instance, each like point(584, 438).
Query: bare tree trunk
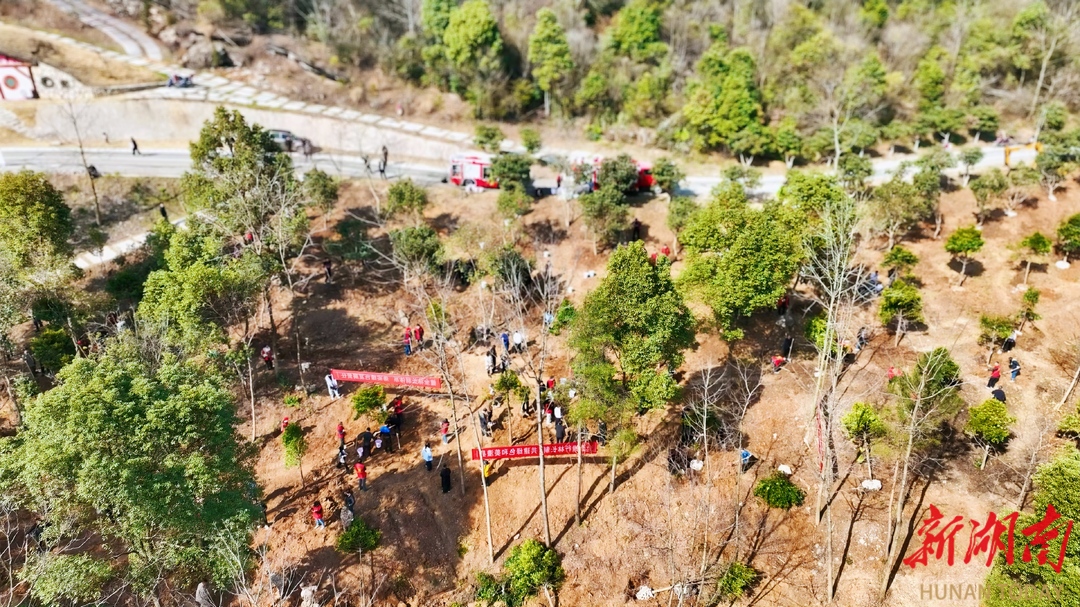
point(614, 461)
point(251, 392)
point(457, 437)
point(483, 483)
point(543, 482)
point(1042, 75)
point(1027, 271)
point(299, 363)
point(577, 510)
point(963, 271)
point(986, 455)
point(1068, 392)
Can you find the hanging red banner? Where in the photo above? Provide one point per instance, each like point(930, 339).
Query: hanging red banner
point(388, 379)
point(587, 448)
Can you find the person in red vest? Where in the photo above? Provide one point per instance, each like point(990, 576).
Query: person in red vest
point(444, 430)
point(995, 375)
point(361, 475)
point(551, 383)
point(284, 423)
point(418, 337)
point(666, 251)
point(778, 363)
point(316, 512)
point(268, 357)
point(341, 435)
point(407, 342)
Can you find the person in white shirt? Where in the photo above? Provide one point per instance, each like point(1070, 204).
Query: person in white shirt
point(332, 386)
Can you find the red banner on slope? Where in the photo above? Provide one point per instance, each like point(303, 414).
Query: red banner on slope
point(388, 379)
point(587, 448)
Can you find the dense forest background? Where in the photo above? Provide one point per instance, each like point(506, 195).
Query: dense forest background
point(787, 79)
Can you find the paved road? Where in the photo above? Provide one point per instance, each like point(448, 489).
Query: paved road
point(173, 163)
point(133, 40)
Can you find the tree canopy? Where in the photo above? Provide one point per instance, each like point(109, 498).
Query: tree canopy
point(141, 452)
point(635, 326)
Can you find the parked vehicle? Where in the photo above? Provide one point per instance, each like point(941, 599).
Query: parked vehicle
point(287, 141)
point(473, 169)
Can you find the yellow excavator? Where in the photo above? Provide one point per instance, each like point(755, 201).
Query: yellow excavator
point(1009, 149)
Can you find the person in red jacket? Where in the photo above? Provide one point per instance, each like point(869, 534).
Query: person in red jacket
point(995, 375)
point(361, 475)
point(316, 512)
point(341, 435)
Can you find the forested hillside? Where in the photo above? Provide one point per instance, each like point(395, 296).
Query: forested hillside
point(786, 79)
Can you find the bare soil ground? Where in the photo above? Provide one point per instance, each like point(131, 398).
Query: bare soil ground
point(649, 530)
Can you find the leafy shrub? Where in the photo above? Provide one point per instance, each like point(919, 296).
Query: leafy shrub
point(513, 200)
point(405, 196)
point(530, 138)
point(52, 348)
point(320, 189)
point(620, 173)
point(126, 284)
point(530, 567)
point(292, 400)
point(779, 492)
point(511, 168)
point(815, 332)
point(488, 138)
point(667, 174)
point(60, 578)
point(367, 399)
point(352, 243)
point(295, 444)
point(563, 317)
point(735, 581)
point(359, 537)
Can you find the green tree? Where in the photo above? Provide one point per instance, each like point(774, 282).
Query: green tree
point(435, 16)
point(1032, 248)
point(635, 32)
point(36, 221)
point(724, 101)
point(989, 425)
point(1055, 484)
point(512, 168)
point(605, 214)
point(294, 447)
point(417, 248)
point(993, 330)
point(53, 348)
point(1028, 301)
point(473, 45)
point(969, 157)
point(549, 55)
point(984, 121)
point(637, 321)
point(321, 190)
point(155, 465)
point(874, 13)
point(488, 138)
point(530, 568)
point(740, 260)
point(368, 399)
point(900, 259)
point(680, 209)
point(901, 303)
point(667, 174)
point(987, 189)
point(620, 172)
point(199, 294)
point(779, 492)
point(406, 197)
point(1068, 234)
point(787, 141)
point(810, 192)
point(513, 200)
point(962, 244)
point(530, 138)
point(57, 579)
point(863, 426)
point(854, 171)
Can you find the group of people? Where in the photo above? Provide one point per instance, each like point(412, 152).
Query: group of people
point(413, 340)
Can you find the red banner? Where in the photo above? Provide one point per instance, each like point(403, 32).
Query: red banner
point(388, 379)
point(587, 448)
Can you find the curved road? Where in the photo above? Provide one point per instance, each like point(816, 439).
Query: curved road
point(134, 41)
